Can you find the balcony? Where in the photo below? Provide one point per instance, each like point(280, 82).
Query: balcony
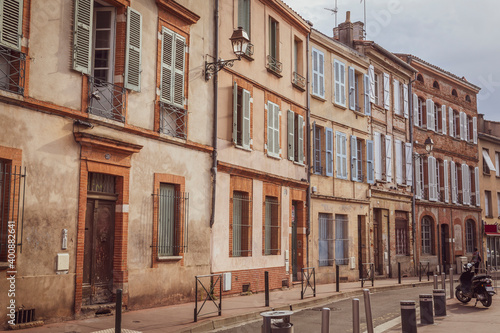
point(274, 66)
point(299, 81)
point(106, 99)
point(12, 69)
point(173, 121)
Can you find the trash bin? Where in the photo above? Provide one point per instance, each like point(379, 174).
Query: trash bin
point(277, 322)
point(461, 261)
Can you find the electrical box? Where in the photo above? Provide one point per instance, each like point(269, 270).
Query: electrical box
point(62, 262)
point(226, 281)
point(353, 262)
point(287, 266)
point(287, 255)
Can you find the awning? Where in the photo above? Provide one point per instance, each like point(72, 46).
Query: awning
point(488, 161)
point(492, 230)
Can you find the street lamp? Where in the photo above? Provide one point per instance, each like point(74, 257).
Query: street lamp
point(429, 145)
point(239, 41)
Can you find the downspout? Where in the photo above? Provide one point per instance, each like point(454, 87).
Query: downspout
point(308, 150)
point(413, 187)
point(214, 139)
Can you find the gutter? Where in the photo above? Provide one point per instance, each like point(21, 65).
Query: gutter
point(308, 150)
point(216, 95)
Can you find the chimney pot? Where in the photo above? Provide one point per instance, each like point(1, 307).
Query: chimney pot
point(348, 16)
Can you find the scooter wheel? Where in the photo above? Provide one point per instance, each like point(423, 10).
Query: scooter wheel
point(462, 298)
point(487, 301)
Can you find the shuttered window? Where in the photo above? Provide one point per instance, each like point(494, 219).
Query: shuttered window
point(409, 163)
point(173, 60)
point(273, 129)
point(11, 23)
point(367, 94)
point(418, 178)
point(133, 50)
point(388, 158)
point(318, 83)
point(354, 158)
point(446, 180)
point(378, 155)
point(405, 101)
point(339, 82)
point(398, 147)
point(244, 15)
point(325, 239)
point(454, 186)
point(476, 181)
point(431, 170)
point(474, 129)
point(241, 116)
point(317, 149)
point(416, 113)
point(371, 75)
point(82, 32)
point(370, 176)
point(295, 129)
point(352, 88)
point(443, 115)
point(341, 153)
point(397, 98)
point(451, 129)
point(387, 92)
point(429, 105)
point(329, 151)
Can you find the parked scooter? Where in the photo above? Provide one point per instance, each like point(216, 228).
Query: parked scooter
point(478, 287)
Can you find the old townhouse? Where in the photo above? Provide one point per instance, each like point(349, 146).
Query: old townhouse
point(106, 132)
point(489, 188)
point(260, 221)
point(342, 158)
point(389, 234)
point(448, 212)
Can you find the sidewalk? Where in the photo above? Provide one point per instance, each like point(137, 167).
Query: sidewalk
point(240, 309)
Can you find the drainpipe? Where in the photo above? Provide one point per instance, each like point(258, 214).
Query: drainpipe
point(308, 151)
point(413, 187)
point(214, 139)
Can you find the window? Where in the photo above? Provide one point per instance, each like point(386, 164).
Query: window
point(271, 226)
point(427, 232)
point(356, 159)
point(451, 122)
point(420, 78)
point(298, 80)
point(12, 59)
point(359, 91)
point(454, 93)
point(273, 129)
point(387, 93)
point(328, 152)
point(370, 175)
point(454, 182)
point(241, 225)
point(339, 82)
point(273, 64)
point(438, 118)
point(498, 203)
point(469, 236)
point(341, 240)
point(419, 112)
point(172, 221)
point(325, 239)
point(318, 77)
point(317, 134)
point(497, 163)
point(402, 244)
point(435, 85)
point(488, 210)
point(467, 99)
point(487, 163)
point(456, 124)
point(397, 97)
point(244, 15)
point(419, 177)
point(341, 154)
point(404, 165)
point(399, 155)
point(383, 156)
point(432, 184)
point(431, 115)
point(241, 117)
point(377, 87)
point(295, 137)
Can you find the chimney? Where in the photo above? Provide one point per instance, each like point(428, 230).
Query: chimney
point(358, 33)
point(345, 31)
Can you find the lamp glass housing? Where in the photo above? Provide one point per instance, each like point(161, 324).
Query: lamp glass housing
point(239, 41)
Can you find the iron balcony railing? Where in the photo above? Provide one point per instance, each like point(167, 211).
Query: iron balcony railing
point(106, 99)
point(274, 65)
point(173, 121)
point(249, 51)
point(12, 70)
point(299, 80)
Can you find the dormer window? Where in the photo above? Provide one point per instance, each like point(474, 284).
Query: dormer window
point(467, 99)
point(435, 85)
point(454, 93)
point(420, 78)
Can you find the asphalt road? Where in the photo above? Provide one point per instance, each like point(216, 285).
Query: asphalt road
point(385, 307)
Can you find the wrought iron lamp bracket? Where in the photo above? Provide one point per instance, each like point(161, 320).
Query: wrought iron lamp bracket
point(213, 67)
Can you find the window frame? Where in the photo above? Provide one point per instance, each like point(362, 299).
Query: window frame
point(427, 236)
point(341, 239)
point(318, 73)
point(273, 110)
point(469, 236)
point(325, 239)
point(242, 117)
point(339, 83)
point(341, 155)
point(271, 231)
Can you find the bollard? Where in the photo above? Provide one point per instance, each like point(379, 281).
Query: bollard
point(439, 302)
point(408, 317)
point(266, 281)
point(451, 284)
point(399, 273)
point(435, 281)
point(443, 281)
point(355, 315)
point(426, 313)
point(118, 315)
point(325, 320)
point(337, 278)
point(368, 311)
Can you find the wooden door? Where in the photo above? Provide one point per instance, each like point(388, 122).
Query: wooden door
point(98, 252)
point(294, 242)
point(378, 250)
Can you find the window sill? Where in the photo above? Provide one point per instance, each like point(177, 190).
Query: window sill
point(275, 73)
point(340, 106)
point(401, 116)
point(170, 258)
point(276, 157)
point(243, 148)
point(319, 98)
point(299, 163)
point(359, 113)
point(106, 120)
point(486, 174)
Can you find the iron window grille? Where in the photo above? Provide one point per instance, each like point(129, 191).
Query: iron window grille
point(325, 240)
point(241, 226)
point(101, 183)
point(272, 226)
point(173, 216)
point(12, 70)
point(173, 121)
point(274, 65)
point(341, 240)
point(402, 237)
point(469, 237)
point(12, 192)
point(106, 99)
point(426, 236)
point(299, 80)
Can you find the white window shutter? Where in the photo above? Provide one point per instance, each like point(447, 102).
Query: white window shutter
point(367, 92)
point(133, 69)
point(342, 84)
point(336, 76)
point(352, 88)
point(315, 76)
point(354, 158)
point(395, 86)
point(462, 126)
point(344, 156)
point(290, 129)
point(329, 151)
point(378, 155)
point(270, 128)
point(82, 35)
point(431, 171)
point(300, 141)
point(276, 130)
point(246, 119)
point(445, 179)
point(167, 66)
point(399, 161)
point(387, 97)
point(418, 178)
point(443, 115)
point(429, 106)
point(179, 67)
point(464, 184)
point(235, 112)
point(371, 74)
point(416, 114)
point(11, 23)
point(474, 128)
point(370, 177)
point(476, 176)
point(409, 163)
point(405, 100)
point(321, 74)
point(454, 189)
point(451, 129)
point(388, 158)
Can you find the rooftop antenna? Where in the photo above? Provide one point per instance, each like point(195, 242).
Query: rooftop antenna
point(334, 11)
point(364, 25)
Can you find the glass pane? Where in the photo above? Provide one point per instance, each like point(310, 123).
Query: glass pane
point(102, 38)
point(103, 19)
point(101, 59)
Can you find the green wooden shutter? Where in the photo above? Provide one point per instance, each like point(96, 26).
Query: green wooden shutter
point(270, 132)
point(235, 112)
point(291, 138)
point(276, 130)
point(246, 119)
point(82, 36)
point(133, 50)
point(180, 59)
point(167, 47)
point(11, 23)
point(300, 141)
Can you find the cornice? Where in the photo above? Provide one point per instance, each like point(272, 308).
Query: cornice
point(178, 10)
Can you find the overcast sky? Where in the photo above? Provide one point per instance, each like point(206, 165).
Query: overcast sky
point(460, 36)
